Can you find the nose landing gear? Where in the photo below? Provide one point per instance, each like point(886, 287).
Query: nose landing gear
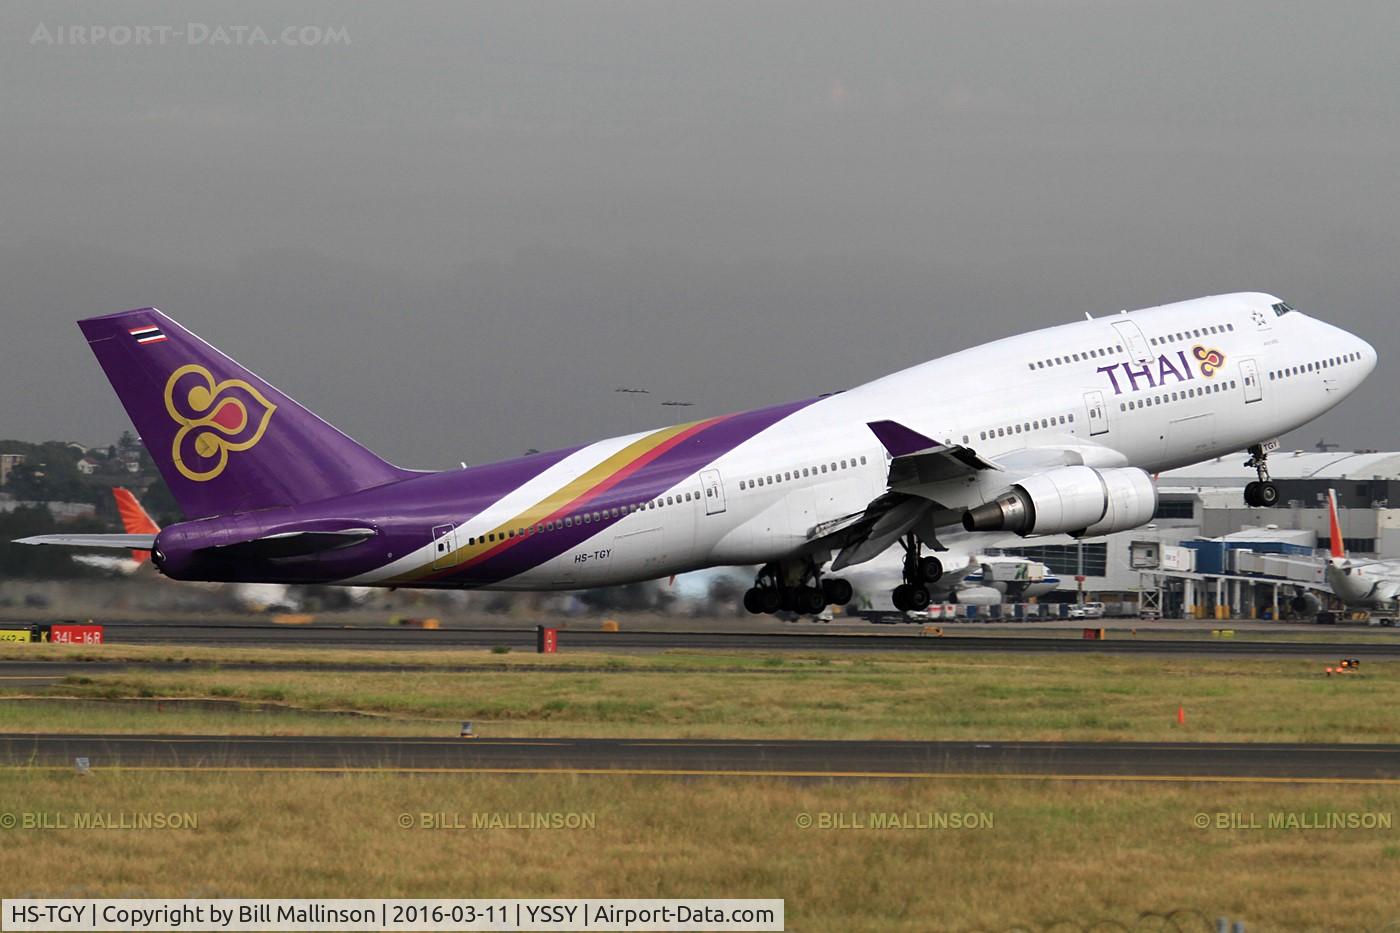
point(1262, 493)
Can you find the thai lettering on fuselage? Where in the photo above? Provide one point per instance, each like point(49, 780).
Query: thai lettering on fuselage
point(1126, 377)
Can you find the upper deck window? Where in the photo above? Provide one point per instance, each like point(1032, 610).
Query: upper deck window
point(1282, 308)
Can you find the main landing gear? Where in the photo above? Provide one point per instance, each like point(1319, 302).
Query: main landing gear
point(919, 572)
point(795, 587)
point(1263, 493)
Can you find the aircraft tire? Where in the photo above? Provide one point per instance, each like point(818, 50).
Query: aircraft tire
point(930, 569)
point(837, 592)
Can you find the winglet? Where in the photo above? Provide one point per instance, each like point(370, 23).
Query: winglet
point(899, 440)
point(1335, 525)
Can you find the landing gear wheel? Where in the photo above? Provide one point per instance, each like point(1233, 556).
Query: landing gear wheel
point(910, 597)
point(1263, 493)
point(809, 600)
point(837, 592)
point(771, 600)
point(930, 569)
point(753, 601)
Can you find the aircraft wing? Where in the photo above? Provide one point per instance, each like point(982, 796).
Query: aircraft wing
point(120, 542)
point(918, 462)
point(914, 460)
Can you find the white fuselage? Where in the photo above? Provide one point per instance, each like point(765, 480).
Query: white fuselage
point(1155, 389)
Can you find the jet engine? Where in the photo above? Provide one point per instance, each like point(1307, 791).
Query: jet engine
point(1075, 500)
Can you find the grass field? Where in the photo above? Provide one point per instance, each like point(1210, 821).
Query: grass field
point(1034, 852)
point(689, 694)
point(1038, 852)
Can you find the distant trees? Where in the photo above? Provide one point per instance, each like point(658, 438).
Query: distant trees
point(49, 473)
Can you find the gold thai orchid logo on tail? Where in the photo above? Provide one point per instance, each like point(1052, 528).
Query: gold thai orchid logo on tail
point(215, 418)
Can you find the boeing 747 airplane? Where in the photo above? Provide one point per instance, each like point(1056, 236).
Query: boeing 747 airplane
point(1051, 432)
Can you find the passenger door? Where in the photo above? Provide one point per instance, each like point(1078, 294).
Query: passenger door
point(1098, 413)
point(444, 546)
point(713, 485)
point(1249, 380)
point(1134, 342)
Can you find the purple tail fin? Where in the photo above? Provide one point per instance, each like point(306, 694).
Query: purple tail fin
point(224, 440)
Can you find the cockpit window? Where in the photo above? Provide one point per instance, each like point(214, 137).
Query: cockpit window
point(1282, 308)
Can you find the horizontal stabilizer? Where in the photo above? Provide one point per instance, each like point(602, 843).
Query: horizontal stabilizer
point(119, 542)
point(291, 544)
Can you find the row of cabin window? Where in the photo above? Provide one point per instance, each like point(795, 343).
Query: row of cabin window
point(1194, 392)
point(1118, 348)
point(1193, 334)
point(1075, 357)
point(798, 474)
point(585, 518)
point(1027, 426)
point(1313, 367)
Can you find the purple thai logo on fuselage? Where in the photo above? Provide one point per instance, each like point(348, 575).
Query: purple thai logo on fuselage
point(1155, 373)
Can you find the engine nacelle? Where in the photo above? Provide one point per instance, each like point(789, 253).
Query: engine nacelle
point(1074, 500)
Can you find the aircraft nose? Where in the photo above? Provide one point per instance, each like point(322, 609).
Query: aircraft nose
point(1368, 354)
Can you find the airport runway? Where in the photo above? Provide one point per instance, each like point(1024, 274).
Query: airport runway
point(1378, 764)
point(849, 638)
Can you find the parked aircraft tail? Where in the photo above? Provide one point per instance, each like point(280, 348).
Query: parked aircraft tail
point(1335, 527)
point(135, 520)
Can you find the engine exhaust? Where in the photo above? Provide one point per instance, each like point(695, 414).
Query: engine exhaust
point(1012, 512)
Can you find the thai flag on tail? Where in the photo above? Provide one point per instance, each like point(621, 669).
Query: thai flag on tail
point(147, 333)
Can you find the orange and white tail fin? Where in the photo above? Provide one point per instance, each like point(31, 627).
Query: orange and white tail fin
point(134, 519)
point(1335, 526)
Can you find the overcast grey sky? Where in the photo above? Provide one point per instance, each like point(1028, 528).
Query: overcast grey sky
point(457, 234)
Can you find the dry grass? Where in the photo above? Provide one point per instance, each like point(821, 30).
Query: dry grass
point(1084, 852)
point(698, 695)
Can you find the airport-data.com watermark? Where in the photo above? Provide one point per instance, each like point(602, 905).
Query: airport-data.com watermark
point(214, 35)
